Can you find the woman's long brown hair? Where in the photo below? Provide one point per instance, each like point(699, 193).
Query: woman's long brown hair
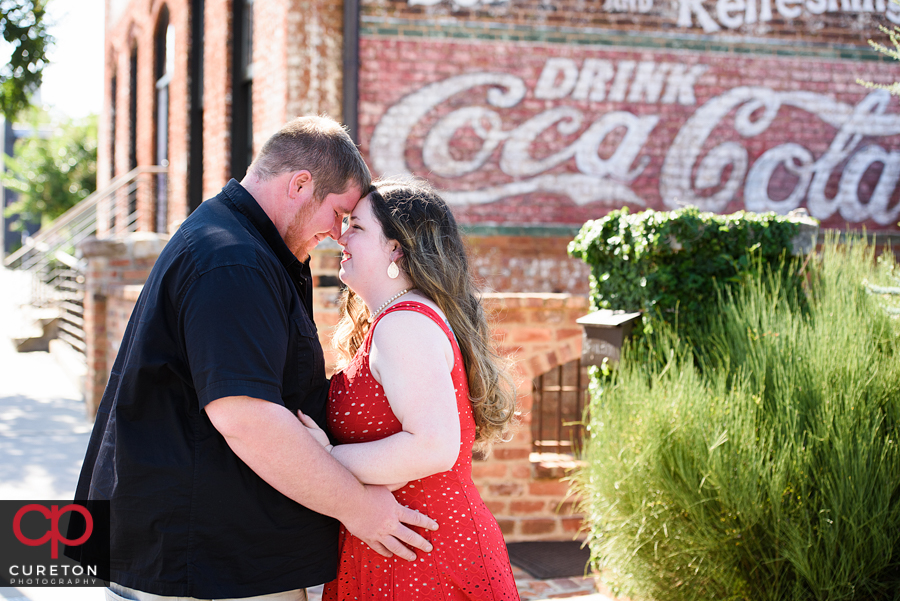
point(435, 261)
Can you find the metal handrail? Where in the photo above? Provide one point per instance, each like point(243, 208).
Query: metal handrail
point(58, 275)
point(77, 213)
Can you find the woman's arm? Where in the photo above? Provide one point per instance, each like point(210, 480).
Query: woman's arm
point(412, 358)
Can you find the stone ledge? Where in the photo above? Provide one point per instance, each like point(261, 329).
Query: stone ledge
point(129, 292)
point(535, 300)
point(553, 466)
point(138, 245)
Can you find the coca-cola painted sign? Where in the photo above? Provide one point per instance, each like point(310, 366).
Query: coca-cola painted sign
point(543, 138)
point(725, 14)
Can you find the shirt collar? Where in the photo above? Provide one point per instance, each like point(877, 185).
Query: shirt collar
point(247, 205)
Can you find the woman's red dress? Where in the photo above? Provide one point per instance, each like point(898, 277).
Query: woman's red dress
point(469, 560)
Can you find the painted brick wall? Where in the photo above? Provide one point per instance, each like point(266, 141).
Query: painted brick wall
point(551, 133)
point(845, 22)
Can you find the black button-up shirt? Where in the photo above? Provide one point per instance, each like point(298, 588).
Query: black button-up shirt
point(226, 311)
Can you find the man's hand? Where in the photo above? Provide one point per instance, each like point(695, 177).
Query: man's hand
point(380, 527)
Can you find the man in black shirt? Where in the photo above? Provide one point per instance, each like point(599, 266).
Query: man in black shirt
point(216, 490)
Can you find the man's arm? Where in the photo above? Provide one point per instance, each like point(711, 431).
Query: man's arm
point(275, 445)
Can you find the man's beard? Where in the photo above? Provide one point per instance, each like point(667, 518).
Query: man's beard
point(302, 247)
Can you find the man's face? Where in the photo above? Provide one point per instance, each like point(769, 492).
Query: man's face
point(316, 221)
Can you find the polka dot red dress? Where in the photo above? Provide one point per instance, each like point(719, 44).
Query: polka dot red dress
point(469, 560)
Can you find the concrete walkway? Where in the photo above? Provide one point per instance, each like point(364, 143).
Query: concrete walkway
point(44, 434)
point(43, 429)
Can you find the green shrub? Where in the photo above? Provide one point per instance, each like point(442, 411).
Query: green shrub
point(671, 264)
point(772, 473)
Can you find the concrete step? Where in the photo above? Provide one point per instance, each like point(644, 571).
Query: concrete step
point(36, 331)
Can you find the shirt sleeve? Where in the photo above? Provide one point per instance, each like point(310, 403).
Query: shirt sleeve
point(236, 336)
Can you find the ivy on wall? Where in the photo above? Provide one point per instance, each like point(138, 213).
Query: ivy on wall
point(672, 265)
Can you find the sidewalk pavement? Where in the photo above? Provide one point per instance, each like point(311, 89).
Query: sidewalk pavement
point(43, 429)
point(44, 433)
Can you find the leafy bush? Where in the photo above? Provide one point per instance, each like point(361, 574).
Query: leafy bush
point(671, 264)
point(772, 473)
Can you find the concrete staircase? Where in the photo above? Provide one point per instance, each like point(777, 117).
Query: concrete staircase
point(36, 333)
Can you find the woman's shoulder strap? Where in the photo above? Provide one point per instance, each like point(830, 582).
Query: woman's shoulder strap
point(418, 307)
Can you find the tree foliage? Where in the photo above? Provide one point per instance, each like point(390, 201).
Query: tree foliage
point(24, 27)
point(53, 169)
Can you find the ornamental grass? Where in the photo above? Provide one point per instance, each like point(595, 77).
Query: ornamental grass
point(759, 460)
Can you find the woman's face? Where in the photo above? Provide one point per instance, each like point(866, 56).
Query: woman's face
point(366, 254)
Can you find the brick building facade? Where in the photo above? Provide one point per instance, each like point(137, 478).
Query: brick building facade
point(531, 116)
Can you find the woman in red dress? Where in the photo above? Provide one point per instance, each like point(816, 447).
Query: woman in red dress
point(419, 386)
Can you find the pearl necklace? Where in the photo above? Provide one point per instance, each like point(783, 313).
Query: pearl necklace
point(388, 302)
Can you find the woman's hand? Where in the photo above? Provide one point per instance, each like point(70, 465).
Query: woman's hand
point(315, 431)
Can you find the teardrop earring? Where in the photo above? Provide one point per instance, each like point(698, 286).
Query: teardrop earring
point(393, 271)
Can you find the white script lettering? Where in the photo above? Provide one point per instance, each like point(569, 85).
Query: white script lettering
point(607, 149)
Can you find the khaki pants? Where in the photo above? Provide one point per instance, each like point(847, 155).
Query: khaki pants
point(117, 592)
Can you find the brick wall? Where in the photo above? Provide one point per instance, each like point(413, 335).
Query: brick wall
point(522, 489)
point(506, 260)
point(217, 66)
point(531, 113)
point(297, 67)
point(117, 268)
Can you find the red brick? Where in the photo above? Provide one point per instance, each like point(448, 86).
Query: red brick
point(507, 527)
point(538, 526)
point(506, 489)
point(521, 472)
point(526, 335)
point(563, 333)
point(490, 469)
point(527, 507)
point(511, 453)
point(555, 488)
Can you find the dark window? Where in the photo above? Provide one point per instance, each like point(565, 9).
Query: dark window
point(242, 93)
point(165, 58)
point(113, 93)
point(132, 125)
point(195, 154)
point(556, 416)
